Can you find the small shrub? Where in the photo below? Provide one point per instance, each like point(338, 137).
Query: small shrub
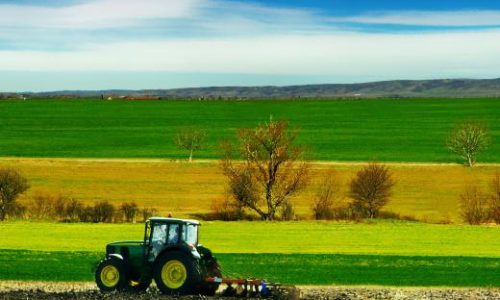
point(148, 212)
point(57, 208)
point(103, 212)
point(328, 192)
point(371, 189)
point(226, 210)
point(17, 211)
point(395, 216)
point(129, 211)
point(346, 212)
point(73, 210)
point(12, 184)
point(85, 214)
point(473, 205)
point(494, 201)
point(42, 207)
point(287, 212)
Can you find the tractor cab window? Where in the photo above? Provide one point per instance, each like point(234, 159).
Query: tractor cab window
point(190, 234)
point(159, 232)
point(147, 232)
point(173, 234)
point(158, 238)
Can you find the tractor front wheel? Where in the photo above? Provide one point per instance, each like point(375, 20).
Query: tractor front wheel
point(176, 273)
point(111, 275)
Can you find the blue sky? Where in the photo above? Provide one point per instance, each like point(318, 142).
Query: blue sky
point(357, 6)
point(129, 44)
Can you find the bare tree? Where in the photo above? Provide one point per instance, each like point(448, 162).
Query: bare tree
point(272, 170)
point(12, 184)
point(328, 191)
point(494, 202)
point(190, 139)
point(371, 189)
point(467, 140)
point(473, 204)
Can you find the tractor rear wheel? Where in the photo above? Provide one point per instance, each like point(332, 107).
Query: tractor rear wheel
point(176, 273)
point(111, 275)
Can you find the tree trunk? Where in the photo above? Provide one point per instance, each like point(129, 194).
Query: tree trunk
point(371, 212)
point(191, 155)
point(271, 208)
point(2, 213)
point(470, 160)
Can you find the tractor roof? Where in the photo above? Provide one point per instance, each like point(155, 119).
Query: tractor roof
point(173, 220)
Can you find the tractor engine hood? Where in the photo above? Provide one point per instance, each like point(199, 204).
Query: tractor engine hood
point(124, 247)
point(126, 243)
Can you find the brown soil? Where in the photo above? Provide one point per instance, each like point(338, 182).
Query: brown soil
point(86, 291)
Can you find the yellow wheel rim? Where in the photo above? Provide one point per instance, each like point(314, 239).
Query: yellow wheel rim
point(173, 274)
point(110, 276)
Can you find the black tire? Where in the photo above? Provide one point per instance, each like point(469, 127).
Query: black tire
point(139, 285)
point(184, 280)
point(111, 275)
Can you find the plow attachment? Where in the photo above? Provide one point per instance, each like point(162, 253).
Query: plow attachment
point(253, 288)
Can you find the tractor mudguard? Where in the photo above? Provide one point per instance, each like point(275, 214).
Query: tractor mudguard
point(205, 251)
point(190, 251)
point(119, 256)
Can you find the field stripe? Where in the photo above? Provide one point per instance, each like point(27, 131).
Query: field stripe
point(303, 269)
point(217, 161)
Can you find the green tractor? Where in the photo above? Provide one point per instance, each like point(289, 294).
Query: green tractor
point(169, 254)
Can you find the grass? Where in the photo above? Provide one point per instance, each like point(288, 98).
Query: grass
point(380, 253)
point(427, 192)
point(348, 130)
point(379, 238)
point(324, 269)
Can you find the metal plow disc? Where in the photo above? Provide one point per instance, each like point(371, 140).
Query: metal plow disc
point(254, 288)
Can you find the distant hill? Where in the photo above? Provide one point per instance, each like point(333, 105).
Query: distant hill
point(450, 88)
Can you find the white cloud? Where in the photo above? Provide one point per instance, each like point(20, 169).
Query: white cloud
point(457, 54)
point(95, 13)
point(28, 27)
point(237, 37)
point(428, 18)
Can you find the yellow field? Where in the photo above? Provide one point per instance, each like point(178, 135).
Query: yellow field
point(426, 191)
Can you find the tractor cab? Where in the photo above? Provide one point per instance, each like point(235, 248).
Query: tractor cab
point(161, 234)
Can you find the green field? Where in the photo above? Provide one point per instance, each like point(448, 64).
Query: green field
point(354, 130)
point(381, 253)
point(298, 269)
point(370, 253)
